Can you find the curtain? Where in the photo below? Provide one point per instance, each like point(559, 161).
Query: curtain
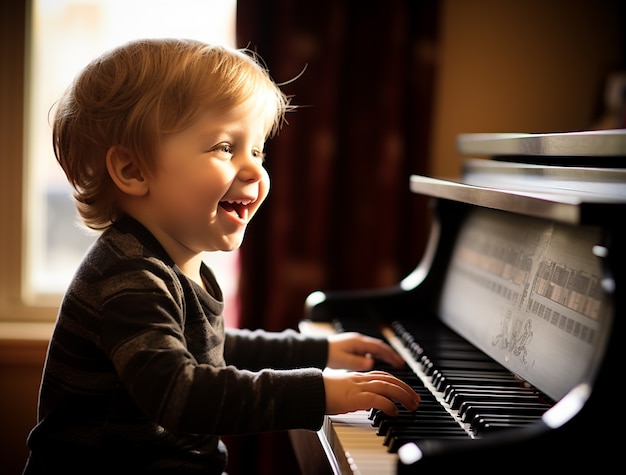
point(340, 214)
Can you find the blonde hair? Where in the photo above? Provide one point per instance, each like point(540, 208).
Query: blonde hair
point(135, 95)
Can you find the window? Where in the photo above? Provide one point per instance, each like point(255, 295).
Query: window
point(61, 37)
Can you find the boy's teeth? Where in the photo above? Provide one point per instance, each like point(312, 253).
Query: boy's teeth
point(235, 206)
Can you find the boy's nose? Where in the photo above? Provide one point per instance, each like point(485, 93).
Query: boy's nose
point(251, 168)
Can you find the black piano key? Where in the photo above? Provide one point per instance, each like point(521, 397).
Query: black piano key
point(441, 379)
point(443, 364)
point(468, 411)
point(436, 354)
point(443, 432)
point(430, 408)
point(399, 438)
point(496, 426)
point(490, 422)
point(427, 422)
point(450, 390)
point(493, 398)
point(456, 360)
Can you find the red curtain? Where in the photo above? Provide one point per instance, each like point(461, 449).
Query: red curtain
point(340, 214)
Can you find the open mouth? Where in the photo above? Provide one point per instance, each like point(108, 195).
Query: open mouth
point(240, 208)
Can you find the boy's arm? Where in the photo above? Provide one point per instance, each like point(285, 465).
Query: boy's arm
point(258, 349)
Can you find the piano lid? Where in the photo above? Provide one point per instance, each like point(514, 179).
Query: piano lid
point(584, 184)
point(597, 148)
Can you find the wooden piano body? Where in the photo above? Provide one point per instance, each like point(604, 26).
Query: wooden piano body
point(526, 262)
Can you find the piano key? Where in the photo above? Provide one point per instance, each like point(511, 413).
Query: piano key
point(441, 379)
point(399, 439)
point(450, 390)
point(468, 411)
point(496, 426)
point(426, 422)
point(434, 354)
point(493, 398)
point(444, 364)
point(435, 411)
point(489, 422)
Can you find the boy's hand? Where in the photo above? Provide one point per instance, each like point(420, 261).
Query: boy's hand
point(357, 352)
point(353, 391)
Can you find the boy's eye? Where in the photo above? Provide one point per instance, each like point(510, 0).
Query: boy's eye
point(258, 154)
point(224, 147)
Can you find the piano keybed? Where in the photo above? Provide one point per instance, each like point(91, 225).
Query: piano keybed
point(465, 395)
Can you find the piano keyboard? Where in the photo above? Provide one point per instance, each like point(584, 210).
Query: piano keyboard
point(464, 394)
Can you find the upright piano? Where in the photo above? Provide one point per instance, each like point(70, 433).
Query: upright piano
point(510, 325)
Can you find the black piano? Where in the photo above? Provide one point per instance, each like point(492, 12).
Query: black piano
point(511, 324)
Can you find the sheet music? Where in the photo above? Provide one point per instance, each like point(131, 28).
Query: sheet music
point(529, 293)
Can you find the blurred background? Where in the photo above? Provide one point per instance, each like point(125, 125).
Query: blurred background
point(383, 89)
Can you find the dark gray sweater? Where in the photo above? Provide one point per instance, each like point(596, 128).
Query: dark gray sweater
point(141, 376)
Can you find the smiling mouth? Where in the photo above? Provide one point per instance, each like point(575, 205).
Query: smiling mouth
point(240, 208)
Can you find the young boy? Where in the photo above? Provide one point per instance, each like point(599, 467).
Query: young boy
point(162, 141)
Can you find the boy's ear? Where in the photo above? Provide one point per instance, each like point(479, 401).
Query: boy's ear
point(126, 171)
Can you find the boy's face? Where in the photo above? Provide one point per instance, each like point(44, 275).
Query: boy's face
point(209, 182)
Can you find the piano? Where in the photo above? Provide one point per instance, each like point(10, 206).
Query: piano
point(511, 324)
